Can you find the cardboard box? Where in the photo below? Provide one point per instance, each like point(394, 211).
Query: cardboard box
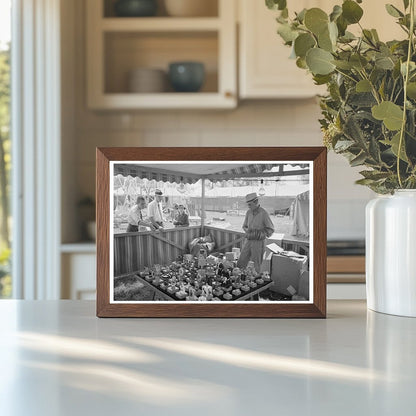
point(286, 271)
point(304, 284)
point(271, 249)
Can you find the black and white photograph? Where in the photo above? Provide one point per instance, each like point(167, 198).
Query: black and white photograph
point(211, 232)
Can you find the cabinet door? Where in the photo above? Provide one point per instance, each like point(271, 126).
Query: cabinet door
point(266, 71)
point(79, 276)
point(265, 68)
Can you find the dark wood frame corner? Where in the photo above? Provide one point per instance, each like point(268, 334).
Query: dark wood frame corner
point(317, 309)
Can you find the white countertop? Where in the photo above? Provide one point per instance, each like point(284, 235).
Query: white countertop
point(57, 358)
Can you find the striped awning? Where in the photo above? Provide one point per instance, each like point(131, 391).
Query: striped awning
point(191, 173)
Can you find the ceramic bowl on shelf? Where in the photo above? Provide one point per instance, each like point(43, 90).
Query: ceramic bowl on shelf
point(135, 8)
point(186, 76)
point(191, 8)
point(147, 80)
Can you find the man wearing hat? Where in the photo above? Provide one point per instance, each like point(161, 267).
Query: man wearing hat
point(181, 219)
point(258, 226)
point(154, 210)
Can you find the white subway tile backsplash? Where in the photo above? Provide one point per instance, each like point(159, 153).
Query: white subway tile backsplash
point(170, 138)
point(145, 120)
point(202, 120)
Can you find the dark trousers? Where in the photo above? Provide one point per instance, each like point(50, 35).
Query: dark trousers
point(132, 228)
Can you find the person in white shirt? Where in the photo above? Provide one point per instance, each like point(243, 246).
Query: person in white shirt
point(154, 210)
point(135, 218)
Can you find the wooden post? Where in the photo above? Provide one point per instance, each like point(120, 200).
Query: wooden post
point(202, 206)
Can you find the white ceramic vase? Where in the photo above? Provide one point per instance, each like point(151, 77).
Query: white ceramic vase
point(391, 253)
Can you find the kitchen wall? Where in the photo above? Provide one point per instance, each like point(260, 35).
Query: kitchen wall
point(253, 123)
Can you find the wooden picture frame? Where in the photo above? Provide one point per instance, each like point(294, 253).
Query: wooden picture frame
point(109, 159)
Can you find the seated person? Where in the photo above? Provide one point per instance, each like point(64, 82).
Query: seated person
point(135, 218)
point(182, 219)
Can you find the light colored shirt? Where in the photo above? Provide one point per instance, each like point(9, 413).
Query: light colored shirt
point(259, 220)
point(154, 209)
point(135, 215)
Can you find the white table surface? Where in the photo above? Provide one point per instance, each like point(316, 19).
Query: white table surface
point(57, 358)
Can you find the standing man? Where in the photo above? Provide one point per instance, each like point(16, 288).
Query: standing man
point(135, 219)
point(258, 226)
point(154, 210)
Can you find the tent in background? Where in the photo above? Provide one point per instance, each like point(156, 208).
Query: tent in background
point(301, 215)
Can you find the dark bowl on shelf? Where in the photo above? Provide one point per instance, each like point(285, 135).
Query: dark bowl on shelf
point(186, 76)
point(135, 8)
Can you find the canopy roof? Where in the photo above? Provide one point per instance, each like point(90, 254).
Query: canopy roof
point(191, 173)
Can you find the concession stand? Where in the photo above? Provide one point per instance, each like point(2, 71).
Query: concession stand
point(134, 252)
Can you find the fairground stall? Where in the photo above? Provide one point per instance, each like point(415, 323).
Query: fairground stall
point(138, 252)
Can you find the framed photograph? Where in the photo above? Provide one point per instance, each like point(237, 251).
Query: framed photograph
point(211, 232)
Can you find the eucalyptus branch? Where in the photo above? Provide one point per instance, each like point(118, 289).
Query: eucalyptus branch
point(406, 79)
point(373, 88)
point(346, 75)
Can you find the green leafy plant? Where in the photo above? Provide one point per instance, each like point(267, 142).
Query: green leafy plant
point(369, 111)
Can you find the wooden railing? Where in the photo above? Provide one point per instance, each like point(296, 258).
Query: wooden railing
point(134, 251)
point(224, 239)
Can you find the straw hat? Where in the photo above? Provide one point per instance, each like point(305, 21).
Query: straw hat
point(251, 197)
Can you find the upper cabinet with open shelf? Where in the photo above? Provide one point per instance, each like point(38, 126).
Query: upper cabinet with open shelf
point(119, 48)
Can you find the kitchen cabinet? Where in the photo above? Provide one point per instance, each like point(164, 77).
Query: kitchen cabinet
point(265, 70)
point(78, 263)
point(118, 45)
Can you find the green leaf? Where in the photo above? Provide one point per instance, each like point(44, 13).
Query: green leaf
point(347, 37)
point(303, 43)
point(375, 35)
point(368, 36)
point(384, 62)
point(301, 63)
point(342, 25)
point(393, 11)
point(343, 145)
point(287, 33)
point(276, 4)
point(363, 86)
point(394, 145)
point(353, 130)
point(358, 61)
point(316, 20)
point(333, 32)
point(325, 42)
point(301, 15)
point(336, 12)
point(321, 79)
point(374, 174)
point(351, 11)
point(345, 65)
point(319, 61)
point(365, 182)
point(388, 112)
point(358, 160)
point(412, 67)
point(411, 90)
